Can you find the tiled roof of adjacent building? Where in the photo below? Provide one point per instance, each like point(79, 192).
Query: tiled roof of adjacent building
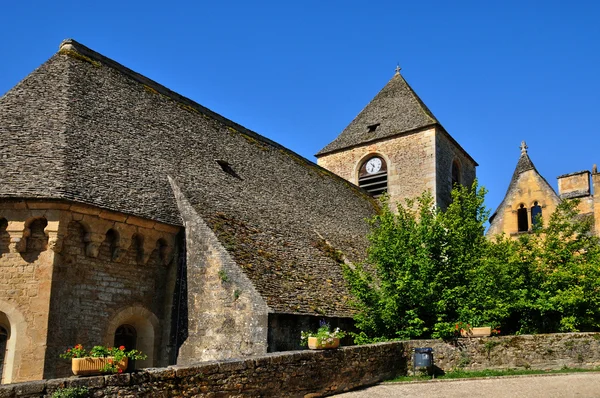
point(396, 109)
point(87, 129)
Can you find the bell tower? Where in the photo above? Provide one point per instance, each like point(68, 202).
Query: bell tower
point(396, 145)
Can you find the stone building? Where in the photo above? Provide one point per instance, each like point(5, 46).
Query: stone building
point(396, 144)
point(132, 215)
point(530, 199)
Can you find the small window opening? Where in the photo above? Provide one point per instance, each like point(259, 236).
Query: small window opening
point(126, 336)
point(372, 128)
point(226, 167)
point(455, 173)
point(522, 221)
point(536, 214)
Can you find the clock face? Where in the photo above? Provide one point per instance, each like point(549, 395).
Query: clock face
point(373, 165)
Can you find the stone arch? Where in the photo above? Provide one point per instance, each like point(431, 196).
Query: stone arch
point(76, 235)
point(110, 246)
point(522, 218)
point(456, 172)
point(136, 249)
point(366, 157)
point(146, 325)
point(14, 323)
point(374, 180)
point(4, 236)
point(36, 239)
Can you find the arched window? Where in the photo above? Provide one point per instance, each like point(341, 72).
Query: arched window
point(126, 335)
point(536, 214)
point(522, 218)
point(455, 173)
point(372, 176)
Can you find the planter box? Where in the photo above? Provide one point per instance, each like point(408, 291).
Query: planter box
point(477, 332)
point(313, 344)
point(87, 366)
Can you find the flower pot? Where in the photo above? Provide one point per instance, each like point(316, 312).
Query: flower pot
point(313, 344)
point(477, 332)
point(87, 366)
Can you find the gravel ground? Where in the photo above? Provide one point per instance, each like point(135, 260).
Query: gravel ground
point(538, 386)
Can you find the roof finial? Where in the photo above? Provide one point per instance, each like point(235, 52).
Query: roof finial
point(398, 68)
point(595, 169)
point(523, 148)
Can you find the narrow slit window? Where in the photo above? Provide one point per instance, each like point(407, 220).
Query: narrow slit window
point(373, 176)
point(522, 221)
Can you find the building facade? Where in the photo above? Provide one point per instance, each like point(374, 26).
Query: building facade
point(530, 199)
point(396, 145)
point(130, 215)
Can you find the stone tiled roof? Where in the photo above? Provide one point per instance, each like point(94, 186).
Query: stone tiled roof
point(85, 128)
point(396, 109)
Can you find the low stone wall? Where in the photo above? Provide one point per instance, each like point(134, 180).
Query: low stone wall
point(543, 351)
point(321, 373)
point(290, 374)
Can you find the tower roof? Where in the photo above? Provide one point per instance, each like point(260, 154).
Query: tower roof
point(396, 109)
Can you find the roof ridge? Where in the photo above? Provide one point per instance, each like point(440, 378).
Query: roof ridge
point(424, 107)
point(75, 49)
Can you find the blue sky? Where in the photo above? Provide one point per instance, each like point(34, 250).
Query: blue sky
point(298, 72)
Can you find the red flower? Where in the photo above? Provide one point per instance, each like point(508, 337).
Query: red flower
point(110, 360)
point(69, 350)
point(122, 348)
point(120, 370)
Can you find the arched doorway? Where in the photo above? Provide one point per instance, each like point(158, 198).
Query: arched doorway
point(4, 335)
point(126, 336)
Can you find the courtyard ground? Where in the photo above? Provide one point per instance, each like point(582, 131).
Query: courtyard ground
point(580, 385)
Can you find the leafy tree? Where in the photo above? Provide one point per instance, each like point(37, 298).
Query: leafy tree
point(429, 269)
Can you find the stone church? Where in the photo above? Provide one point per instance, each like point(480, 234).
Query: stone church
point(530, 199)
point(132, 215)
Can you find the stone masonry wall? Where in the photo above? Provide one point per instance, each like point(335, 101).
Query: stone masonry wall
point(321, 373)
point(227, 317)
point(410, 158)
point(73, 274)
point(446, 153)
point(25, 274)
point(529, 188)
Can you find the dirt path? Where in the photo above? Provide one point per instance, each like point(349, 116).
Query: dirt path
point(580, 385)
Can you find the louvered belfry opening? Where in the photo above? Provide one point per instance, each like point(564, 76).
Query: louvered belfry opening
point(373, 176)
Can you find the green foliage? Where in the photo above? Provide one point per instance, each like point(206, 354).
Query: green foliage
point(71, 392)
point(429, 270)
point(116, 354)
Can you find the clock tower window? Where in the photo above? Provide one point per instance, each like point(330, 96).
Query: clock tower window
point(372, 176)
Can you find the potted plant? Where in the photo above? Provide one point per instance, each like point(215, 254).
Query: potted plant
point(466, 330)
point(100, 359)
point(323, 338)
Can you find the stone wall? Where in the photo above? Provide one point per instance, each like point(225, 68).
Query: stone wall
point(227, 316)
point(448, 152)
point(74, 274)
point(320, 373)
point(291, 374)
point(543, 351)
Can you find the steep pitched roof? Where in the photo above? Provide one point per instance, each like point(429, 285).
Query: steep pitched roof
point(85, 128)
point(523, 164)
point(396, 109)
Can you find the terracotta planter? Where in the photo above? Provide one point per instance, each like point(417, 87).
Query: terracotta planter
point(313, 344)
point(477, 332)
point(87, 366)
